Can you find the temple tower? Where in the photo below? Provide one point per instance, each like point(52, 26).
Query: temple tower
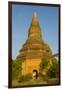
point(34, 48)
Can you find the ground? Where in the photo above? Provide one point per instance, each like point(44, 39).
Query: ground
point(35, 82)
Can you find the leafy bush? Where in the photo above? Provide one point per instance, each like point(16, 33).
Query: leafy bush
point(44, 63)
point(53, 70)
point(16, 69)
point(24, 78)
point(46, 78)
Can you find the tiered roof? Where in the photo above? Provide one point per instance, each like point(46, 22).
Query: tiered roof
point(34, 46)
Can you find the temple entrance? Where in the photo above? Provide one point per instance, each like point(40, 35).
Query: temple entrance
point(35, 74)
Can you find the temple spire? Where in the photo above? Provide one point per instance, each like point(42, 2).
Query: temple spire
point(35, 14)
point(35, 30)
point(35, 18)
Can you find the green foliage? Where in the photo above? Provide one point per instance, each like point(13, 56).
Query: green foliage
point(16, 69)
point(44, 63)
point(46, 78)
point(53, 70)
point(25, 78)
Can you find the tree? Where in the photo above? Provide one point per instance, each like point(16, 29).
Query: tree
point(16, 68)
point(44, 63)
point(43, 66)
point(52, 72)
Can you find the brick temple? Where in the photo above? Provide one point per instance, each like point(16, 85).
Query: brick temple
point(34, 48)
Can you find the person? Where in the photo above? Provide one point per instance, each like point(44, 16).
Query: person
point(35, 74)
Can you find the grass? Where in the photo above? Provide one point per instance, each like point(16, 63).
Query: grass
point(34, 82)
point(31, 82)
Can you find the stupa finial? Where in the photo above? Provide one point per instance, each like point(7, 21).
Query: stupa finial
point(35, 14)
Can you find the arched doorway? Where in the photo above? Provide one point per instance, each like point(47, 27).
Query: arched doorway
point(35, 74)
